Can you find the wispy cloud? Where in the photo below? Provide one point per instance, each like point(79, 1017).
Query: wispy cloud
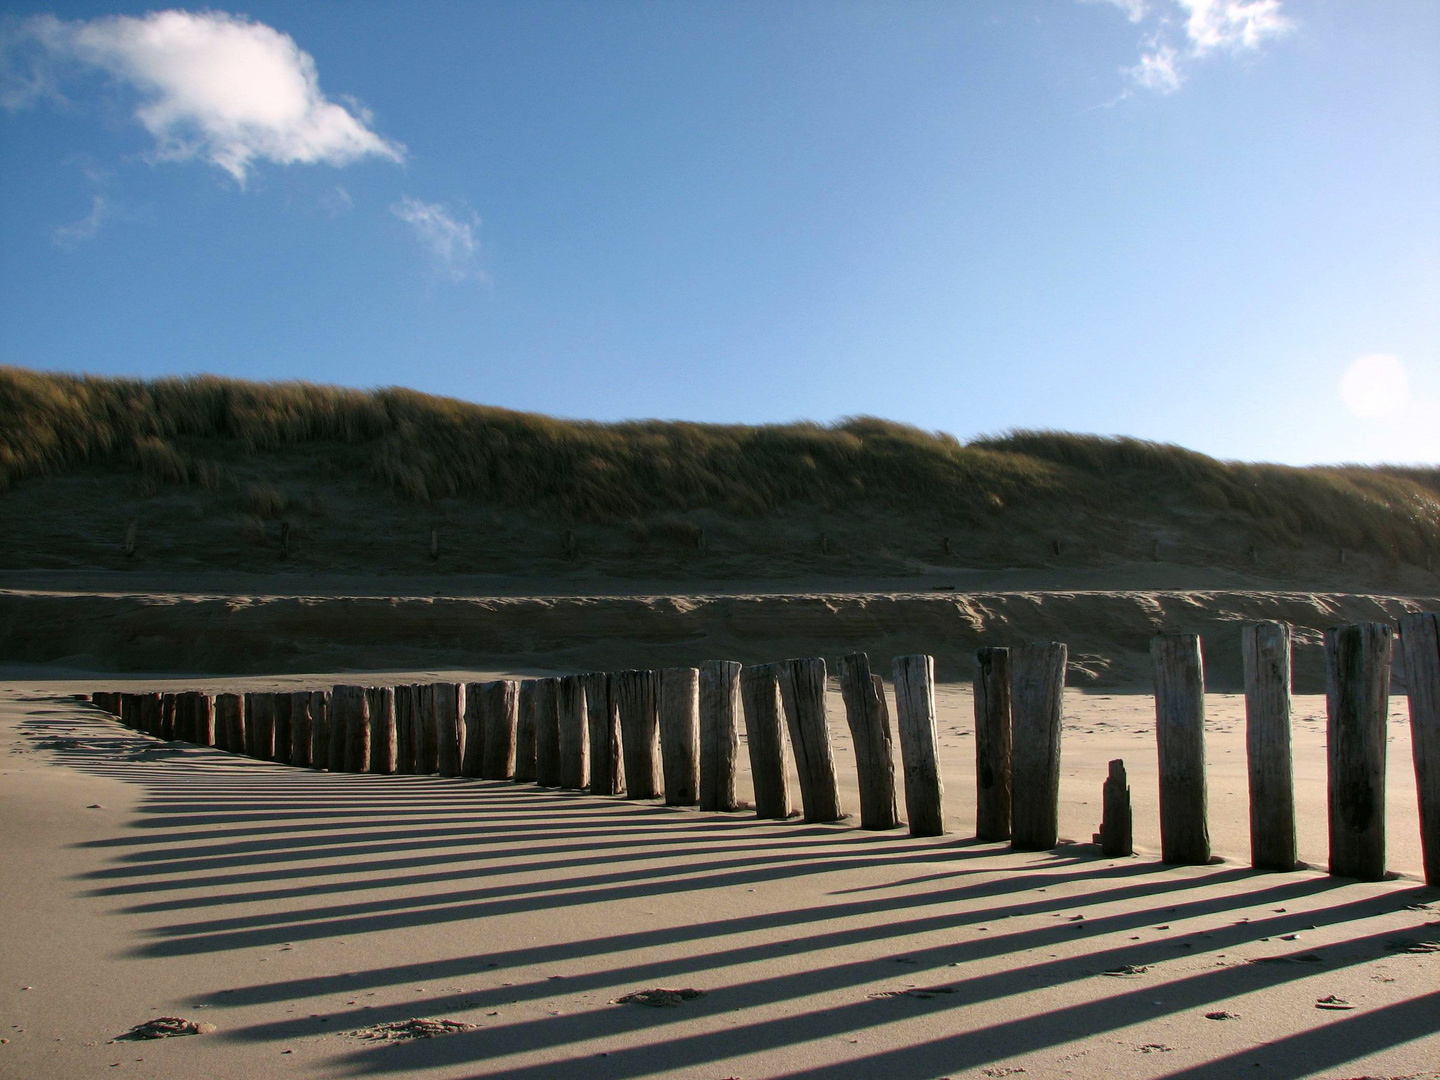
point(68, 236)
point(449, 239)
point(218, 87)
point(1187, 31)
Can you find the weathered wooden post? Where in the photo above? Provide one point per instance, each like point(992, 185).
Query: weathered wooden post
point(547, 732)
point(150, 718)
point(447, 712)
point(639, 732)
point(335, 759)
point(869, 721)
point(678, 707)
point(474, 742)
point(404, 731)
point(919, 744)
point(1116, 826)
point(425, 730)
point(992, 744)
point(573, 736)
point(185, 716)
point(1357, 704)
point(525, 731)
point(350, 718)
point(319, 729)
point(204, 713)
point(1420, 639)
point(1265, 649)
point(1037, 691)
point(719, 734)
point(802, 694)
point(167, 717)
point(384, 738)
point(497, 709)
point(300, 735)
point(260, 725)
point(602, 715)
point(230, 717)
point(280, 710)
point(765, 734)
point(1180, 738)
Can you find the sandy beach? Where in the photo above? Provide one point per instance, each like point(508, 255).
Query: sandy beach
point(154, 879)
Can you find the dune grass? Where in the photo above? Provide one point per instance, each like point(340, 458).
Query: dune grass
point(422, 448)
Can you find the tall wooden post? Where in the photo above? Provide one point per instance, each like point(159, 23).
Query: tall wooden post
point(1265, 649)
point(447, 712)
point(497, 710)
point(280, 713)
point(229, 722)
point(525, 731)
point(404, 732)
point(574, 763)
point(425, 729)
point(300, 736)
point(167, 717)
point(679, 713)
point(547, 732)
point(350, 720)
point(204, 713)
point(1180, 738)
point(992, 744)
point(335, 759)
point(1357, 704)
point(260, 725)
point(802, 693)
point(869, 721)
point(1420, 638)
point(602, 716)
point(319, 729)
point(765, 734)
point(384, 737)
point(474, 725)
point(719, 734)
point(1116, 827)
point(919, 744)
point(635, 694)
point(1037, 692)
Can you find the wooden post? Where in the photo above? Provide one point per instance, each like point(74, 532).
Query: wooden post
point(447, 711)
point(602, 716)
point(765, 734)
point(260, 725)
point(1420, 638)
point(167, 718)
point(1265, 648)
point(919, 744)
point(1116, 829)
point(1180, 739)
point(525, 731)
point(384, 739)
point(204, 713)
point(150, 719)
point(1357, 704)
point(571, 728)
point(474, 728)
point(719, 734)
point(1037, 691)
point(350, 721)
point(547, 732)
point(802, 693)
point(335, 759)
point(404, 733)
point(300, 736)
point(992, 744)
point(679, 711)
point(319, 729)
point(635, 693)
point(497, 711)
point(280, 707)
point(869, 721)
point(424, 729)
point(227, 720)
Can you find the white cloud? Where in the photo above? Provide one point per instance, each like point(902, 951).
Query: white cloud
point(1375, 386)
point(1134, 9)
point(1159, 69)
point(450, 240)
point(1232, 24)
point(67, 236)
point(214, 86)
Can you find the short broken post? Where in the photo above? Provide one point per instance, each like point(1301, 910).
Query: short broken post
point(384, 739)
point(1357, 705)
point(679, 713)
point(1037, 694)
point(573, 732)
point(1180, 740)
point(765, 734)
point(1116, 826)
point(525, 731)
point(547, 732)
point(919, 744)
point(992, 744)
point(635, 698)
point(802, 694)
point(869, 723)
point(1420, 639)
point(1265, 649)
point(497, 712)
point(719, 734)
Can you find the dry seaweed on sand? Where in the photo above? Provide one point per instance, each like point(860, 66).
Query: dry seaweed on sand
point(414, 1028)
point(166, 1027)
point(659, 997)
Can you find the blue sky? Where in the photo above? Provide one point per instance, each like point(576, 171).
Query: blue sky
point(1212, 222)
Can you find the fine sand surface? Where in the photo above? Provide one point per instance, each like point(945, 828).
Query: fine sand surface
point(290, 907)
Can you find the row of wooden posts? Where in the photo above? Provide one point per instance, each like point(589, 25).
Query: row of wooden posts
point(675, 733)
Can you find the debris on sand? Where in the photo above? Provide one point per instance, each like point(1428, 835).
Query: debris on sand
point(921, 992)
point(1411, 945)
point(1330, 1001)
point(1221, 1014)
point(167, 1027)
point(1125, 970)
point(414, 1028)
point(659, 997)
